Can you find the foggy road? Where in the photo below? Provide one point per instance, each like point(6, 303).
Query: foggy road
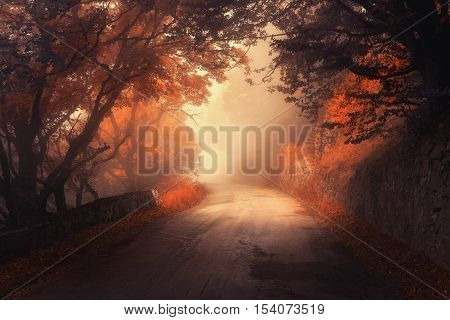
point(241, 242)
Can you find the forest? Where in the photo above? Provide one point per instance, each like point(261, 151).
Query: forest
point(371, 78)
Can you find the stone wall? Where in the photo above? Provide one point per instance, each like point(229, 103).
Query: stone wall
point(15, 242)
point(406, 192)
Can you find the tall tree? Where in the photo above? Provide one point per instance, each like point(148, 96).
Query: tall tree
point(66, 64)
point(402, 44)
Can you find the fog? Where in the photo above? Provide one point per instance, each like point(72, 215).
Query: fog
point(235, 102)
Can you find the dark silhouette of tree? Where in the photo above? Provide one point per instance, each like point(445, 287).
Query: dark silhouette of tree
point(402, 44)
point(66, 64)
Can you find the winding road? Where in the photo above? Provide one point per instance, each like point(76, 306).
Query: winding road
point(241, 242)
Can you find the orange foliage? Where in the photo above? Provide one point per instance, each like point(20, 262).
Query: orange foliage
point(182, 196)
point(353, 113)
point(342, 159)
point(290, 155)
point(363, 107)
point(340, 108)
point(336, 161)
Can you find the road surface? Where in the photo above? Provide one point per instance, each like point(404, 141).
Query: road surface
point(241, 242)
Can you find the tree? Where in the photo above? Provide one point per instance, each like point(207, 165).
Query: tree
point(66, 65)
point(121, 130)
point(402, 44)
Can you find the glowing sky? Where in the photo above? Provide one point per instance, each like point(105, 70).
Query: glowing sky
point(236, 102)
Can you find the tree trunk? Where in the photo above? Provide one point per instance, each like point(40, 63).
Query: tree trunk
point(63, 170)
point(25, 198)
point(5, 189)
point(79, 195)
point(430, 48)
point(60, 199)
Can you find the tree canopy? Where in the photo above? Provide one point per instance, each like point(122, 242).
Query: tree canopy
point(67, 64)
point(67, 68)
point(402, 45)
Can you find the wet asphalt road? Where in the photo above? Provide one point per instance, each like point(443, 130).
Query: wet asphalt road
point(241, 242)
